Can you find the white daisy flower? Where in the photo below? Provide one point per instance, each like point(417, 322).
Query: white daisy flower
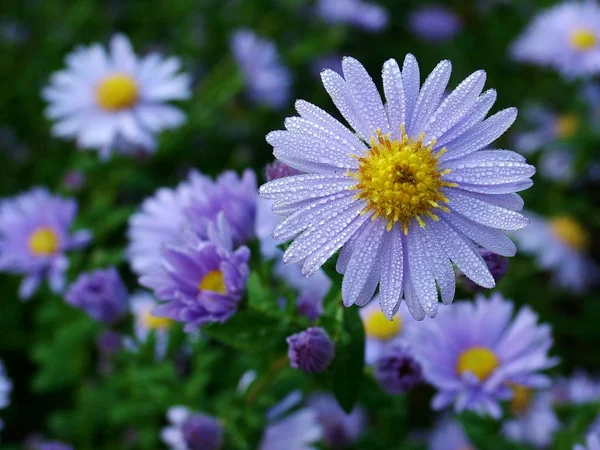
point(408, 194)
point(115, 100)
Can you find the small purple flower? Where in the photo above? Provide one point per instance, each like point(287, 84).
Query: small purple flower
point(449, 435)
point(535, 421)
point(368, 16)
point(397, 371)
point(298, 430)
point(54, 445)
point(434, 23)
point(109, 343)
point(592, 442)
point(192, 431)
point(277, 169)
point(473, 353)
point(101, 294)
point(497, 265)
point(340, 430)
point(579, 388)
point(34, 237)
point(311, 350)
point(200, 281)
point(268, 80)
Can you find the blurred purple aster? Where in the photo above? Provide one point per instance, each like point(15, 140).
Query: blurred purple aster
point(434, 23)
point(497, 265)
point(592, 442)
point(366, 15)
point(34, 237)
point(298, 430)
point(54, 445)
point(565, 37)
point(191, 431)
point(579, 388)
point(200, 281)
point(408, 194)
point(557, 164)
point(340, 430)
point(535, 421)
point(449, 435)
point(101, 294)
point(311, 350)
point(397, 370)
point(474, 352)
point(268, 81)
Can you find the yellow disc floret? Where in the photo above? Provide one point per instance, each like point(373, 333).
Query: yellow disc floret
point(400, 180)
point(43, 242)
point(116, 92)
point(155, 323)
point(583, 39)
point(521, 399)
point(480, 361)
point(570, 232)
point(213, 281)
point(566, 126)
point(377, 326)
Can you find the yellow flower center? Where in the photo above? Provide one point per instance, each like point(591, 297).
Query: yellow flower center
point(480, 361)
point(213, 281)
point(43, 241)
point(583, 39)
point(155, 323)
point(521, 399)
point(400, 180)
point(570, 232)
point(566, 126)
point(116, 92)
point(377, 326)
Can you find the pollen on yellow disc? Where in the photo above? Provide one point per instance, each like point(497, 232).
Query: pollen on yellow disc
point(43, 241)
point(570, 232)
point(156, 323)
point(213, 281)
point(566, 126)
point(377, 326)
point(583, 39)
point(117, 91)
point(521, 399)
point(480, 361)
point(400, 180)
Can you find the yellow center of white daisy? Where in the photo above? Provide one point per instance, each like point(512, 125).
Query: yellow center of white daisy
point(566, 126)
point(43, 241)
point(213, 281)
point(521, 399)
point(116, 92)
point(480, 361)
point(155, 323)
point(377, 326)
point(401, 180)
point(570, 232)
point(583, 39)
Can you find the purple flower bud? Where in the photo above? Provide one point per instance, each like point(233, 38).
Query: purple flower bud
point(277, 169)
point(497, 265)
point(101, 294)
point(109, 342)
point(311, 350)
point(397, 370)
point(202, 432)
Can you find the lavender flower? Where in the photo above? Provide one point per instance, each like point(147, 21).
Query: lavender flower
point(191, 431)
point(449, 435)
point(200, 281)
point(268, 81)
point(368, 16)
point(434, 23)
point(34, 237)
point(5, 390)
point(565, 37)
point(592, 442)
point(142, 305)
point(101, 294)
point(340, 430)
point(311, 350)
point(497, 265)
point(488, 354)
point(298, 431)
point(396, 369)
point(578, 389)
point(448, 190)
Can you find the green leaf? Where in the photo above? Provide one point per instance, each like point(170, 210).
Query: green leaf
point(349, 363)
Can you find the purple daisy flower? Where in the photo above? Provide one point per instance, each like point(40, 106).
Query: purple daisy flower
point(34, 237)
point(200, 281)
point(565, 37)
point(449, 435)
point(368, 16)
point(340, 430)
point(592, 442)
point(408, 194)
point(578, 389)
point(268, 80)
point(473, 354)
point(434, 23)
point(298, 430)
point(397, 370)
point(191, 431)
